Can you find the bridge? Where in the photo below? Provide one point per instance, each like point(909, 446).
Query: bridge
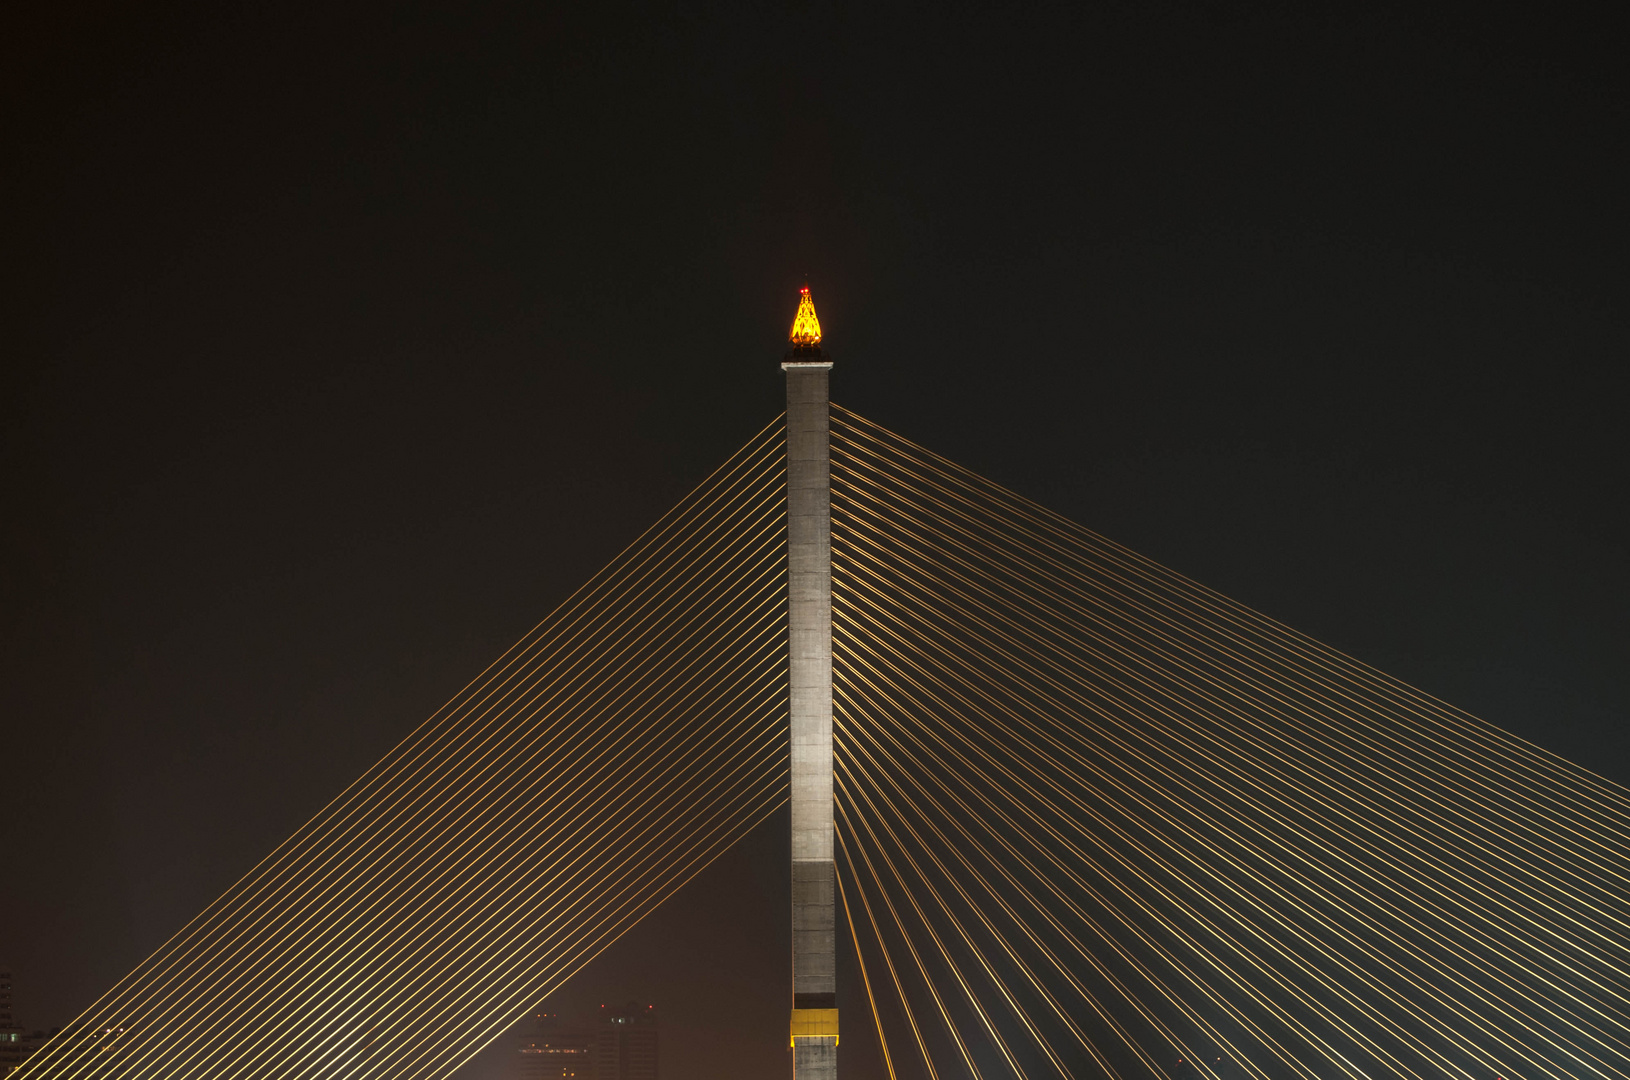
point(1069, 813)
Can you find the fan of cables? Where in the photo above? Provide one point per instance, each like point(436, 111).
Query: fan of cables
point(593, 769)
point(1093, 818)
point(1096, 819)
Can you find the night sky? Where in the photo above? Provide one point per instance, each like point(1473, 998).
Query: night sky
point(340, 345)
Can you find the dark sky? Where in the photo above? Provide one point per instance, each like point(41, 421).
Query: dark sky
point(340, 345)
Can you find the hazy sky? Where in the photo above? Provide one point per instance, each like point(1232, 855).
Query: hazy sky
point(339, 345)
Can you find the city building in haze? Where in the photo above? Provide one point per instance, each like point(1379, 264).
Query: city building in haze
point(625, 1043)
point(550, 1047)
point(11, 1036)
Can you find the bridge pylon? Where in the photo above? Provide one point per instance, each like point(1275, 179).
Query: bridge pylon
point(809, 641)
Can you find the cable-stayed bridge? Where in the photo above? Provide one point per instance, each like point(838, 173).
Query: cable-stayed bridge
point(1088, 817)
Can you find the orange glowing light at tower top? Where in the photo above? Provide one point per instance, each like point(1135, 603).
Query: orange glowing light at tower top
point(806, 328)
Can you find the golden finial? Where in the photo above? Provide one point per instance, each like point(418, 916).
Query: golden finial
point(806, 328)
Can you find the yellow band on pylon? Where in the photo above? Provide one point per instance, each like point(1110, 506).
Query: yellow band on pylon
point(815, 1023)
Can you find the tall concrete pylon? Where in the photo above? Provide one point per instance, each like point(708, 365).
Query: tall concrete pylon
point(809, 640)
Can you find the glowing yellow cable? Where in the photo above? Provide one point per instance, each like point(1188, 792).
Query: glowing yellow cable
point(865, 979)
point(1224, 606)
point(892, 503)
point(115, 998)
point(899, 987)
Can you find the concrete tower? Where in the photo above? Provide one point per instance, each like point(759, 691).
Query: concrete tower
point(809, 625)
